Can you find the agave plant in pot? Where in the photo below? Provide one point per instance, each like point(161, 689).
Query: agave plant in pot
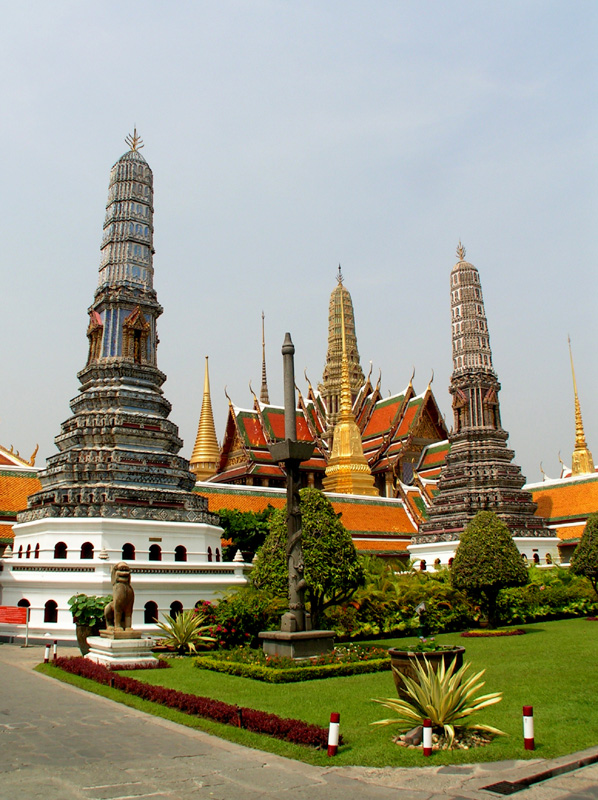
point(448, 697)
point(88, 616)
point(404, 661)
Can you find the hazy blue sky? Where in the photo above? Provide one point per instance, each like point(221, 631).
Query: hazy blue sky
point(286, 137)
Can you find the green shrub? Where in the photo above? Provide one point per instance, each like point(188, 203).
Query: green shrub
point(486, 561)
point(88, 609)
point(241, 614)
point(584, 560)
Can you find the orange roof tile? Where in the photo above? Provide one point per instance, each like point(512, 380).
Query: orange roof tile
point(566, 499)
point(383, 416)
point(15, 488)
point(387, 545)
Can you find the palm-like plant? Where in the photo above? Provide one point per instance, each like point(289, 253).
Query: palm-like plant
point(184, 631)
point(446, 697)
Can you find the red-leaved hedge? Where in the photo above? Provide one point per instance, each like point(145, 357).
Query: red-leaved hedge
point(290, 730)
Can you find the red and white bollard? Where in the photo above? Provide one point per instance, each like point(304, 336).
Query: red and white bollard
point(427, 737)
point(528, 728)
point(55, 650)
point(47, 654)
point(335, 719)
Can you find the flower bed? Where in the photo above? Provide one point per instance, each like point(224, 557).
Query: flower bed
point(344, 660)
point(475, 634)
point(290, 730)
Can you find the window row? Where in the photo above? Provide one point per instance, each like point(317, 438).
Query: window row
point(150, 610)
point(128, 552)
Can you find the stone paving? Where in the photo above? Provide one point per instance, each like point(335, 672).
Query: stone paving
point(60, 743)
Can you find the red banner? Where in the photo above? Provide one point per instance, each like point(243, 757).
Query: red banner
point(13, 615)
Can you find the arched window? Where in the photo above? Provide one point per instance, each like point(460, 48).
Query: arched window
point(155, 552)
point(60, 550)
point(20, 551)
point(422, 565)
point(217, 554)
point(548, 558)
point(536, 558)
point(128, 552)
point(28, 553)
point(51, 611)
point(450, 561)
point(209, 553)
point(24, 603)
point(36, 551)
point(87, 550)
point(175, 609)
point(180, 553)
point(150, 612)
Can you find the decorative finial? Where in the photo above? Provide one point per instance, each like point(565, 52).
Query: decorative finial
point(460, 252)
point(339, 277)
point(135, 142)
point(33, 455)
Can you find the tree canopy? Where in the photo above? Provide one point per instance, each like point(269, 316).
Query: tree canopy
point(584, 560)
point(332, 568)
point(244, 531)
point(487, 560)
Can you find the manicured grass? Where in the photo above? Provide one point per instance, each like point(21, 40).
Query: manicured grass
point(553, 667)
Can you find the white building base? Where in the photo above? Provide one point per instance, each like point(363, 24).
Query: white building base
point(121, 653)
point(41, 578)
point(535, 550)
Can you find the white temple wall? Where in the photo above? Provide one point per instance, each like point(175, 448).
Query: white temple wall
point(46, 578)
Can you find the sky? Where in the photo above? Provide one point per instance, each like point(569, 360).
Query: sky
point(286, 138)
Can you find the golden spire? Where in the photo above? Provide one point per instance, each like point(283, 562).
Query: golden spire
point(135, 142)
point(460, 252)
point(348, 471)
point(264, 395)
point(206, 453)
point(582, 462)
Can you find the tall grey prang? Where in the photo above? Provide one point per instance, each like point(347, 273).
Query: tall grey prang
point(118, 452)
point(479, 474)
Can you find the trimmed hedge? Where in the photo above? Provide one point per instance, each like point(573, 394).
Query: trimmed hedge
point(290, 730)
point(275, 675)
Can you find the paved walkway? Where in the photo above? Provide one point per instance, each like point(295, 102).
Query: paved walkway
point(60, 743)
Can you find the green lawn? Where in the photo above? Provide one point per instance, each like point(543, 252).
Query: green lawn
point(554, 667)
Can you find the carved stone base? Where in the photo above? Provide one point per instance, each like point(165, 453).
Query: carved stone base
point(121, 653)
point(128, 633)
point(298, 644)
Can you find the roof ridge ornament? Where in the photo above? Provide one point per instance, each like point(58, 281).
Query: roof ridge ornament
point(135, 142)
point(460, 251)
point(339, 277)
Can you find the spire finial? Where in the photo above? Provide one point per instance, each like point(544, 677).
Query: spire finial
point(460, 251)
point(264, 394)
point(135, 142)
point(582, 461)
point(339, 277)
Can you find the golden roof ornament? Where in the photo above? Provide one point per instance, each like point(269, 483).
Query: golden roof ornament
point(135, 142)
point(348, 470)
point(582, 462)
point(460, 251)
point(206, 453)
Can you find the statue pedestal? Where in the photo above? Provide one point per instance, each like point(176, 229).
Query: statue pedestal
point(125, 651)
point(297, 644)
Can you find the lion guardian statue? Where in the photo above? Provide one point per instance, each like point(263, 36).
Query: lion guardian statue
point(119, 611)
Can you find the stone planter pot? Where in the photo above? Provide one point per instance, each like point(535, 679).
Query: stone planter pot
point(83, 631)
point(404, 662)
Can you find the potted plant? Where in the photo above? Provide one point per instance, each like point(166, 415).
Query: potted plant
point(405, 661)
point(88, 616)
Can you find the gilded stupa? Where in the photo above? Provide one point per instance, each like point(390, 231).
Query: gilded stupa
point(347, 471)
point(206, 452)
point(340, 316)
point(582, 462)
